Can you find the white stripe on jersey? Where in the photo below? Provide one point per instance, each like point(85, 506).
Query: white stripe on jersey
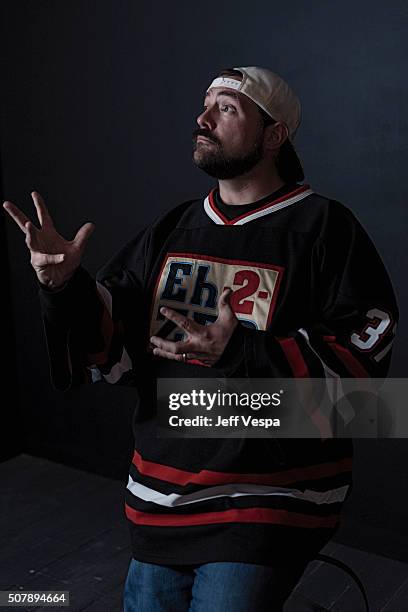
point(258, 213)
point(173, 500)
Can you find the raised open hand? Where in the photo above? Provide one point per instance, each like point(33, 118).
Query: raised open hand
point(53, 258)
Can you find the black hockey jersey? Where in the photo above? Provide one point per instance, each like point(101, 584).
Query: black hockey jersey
point(313, 298)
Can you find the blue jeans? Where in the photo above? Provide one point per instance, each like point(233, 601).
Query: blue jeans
point(210, 587)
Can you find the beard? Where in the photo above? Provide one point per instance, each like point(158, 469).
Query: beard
point(215, 162)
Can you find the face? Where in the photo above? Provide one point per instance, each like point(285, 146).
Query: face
point(229, 139)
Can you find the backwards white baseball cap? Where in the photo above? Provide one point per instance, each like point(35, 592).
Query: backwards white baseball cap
point(269, 91)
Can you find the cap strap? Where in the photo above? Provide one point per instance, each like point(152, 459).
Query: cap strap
point(225, 82)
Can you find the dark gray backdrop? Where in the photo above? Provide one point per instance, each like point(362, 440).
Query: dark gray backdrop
point(99, 102)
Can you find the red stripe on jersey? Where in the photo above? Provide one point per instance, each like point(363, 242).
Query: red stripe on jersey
point(287, 196)
point(108, 328)
point(351, 363)
point(210, 477)
point(197, 362)
point(236, 515)
point(293, 354)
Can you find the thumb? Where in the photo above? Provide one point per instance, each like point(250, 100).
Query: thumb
point(224, 306)
point(83, 234)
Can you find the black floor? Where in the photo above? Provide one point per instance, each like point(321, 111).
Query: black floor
point(64, 529)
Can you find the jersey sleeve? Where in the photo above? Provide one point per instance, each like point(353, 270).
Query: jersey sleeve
point(355, 314)
point(87, 322)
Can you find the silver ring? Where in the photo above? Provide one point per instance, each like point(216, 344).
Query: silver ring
point(184, 357)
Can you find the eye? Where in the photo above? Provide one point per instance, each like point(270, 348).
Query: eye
point(225, 108)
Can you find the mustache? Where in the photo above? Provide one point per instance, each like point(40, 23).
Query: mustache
point(205, 133)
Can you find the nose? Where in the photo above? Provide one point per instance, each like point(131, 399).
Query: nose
point(206, 120)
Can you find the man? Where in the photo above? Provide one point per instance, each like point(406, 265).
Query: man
point(264, 278)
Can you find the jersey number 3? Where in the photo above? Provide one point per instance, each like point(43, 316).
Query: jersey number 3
point(373, 331)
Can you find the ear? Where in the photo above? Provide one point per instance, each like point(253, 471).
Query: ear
point(275, 136)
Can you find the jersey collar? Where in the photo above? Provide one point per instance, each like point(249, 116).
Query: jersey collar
point(288, 199)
